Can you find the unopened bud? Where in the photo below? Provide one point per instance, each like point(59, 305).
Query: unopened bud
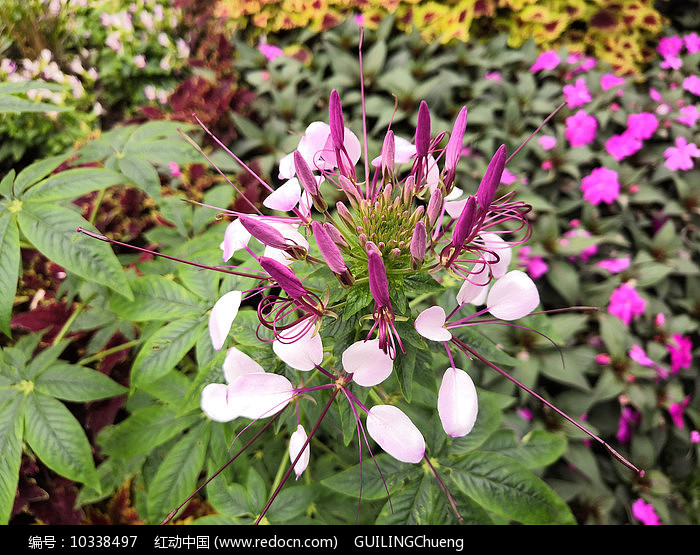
point(423, 130)
point(491, 179)
point(418, 245)
point(263, 232)
point(434, 207)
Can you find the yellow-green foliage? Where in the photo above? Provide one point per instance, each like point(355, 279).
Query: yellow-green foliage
point(616, 31)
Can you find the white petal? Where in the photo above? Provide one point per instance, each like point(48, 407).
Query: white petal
point(475, 288)
point(260, 395)
point(431, 324)
point(235, 237)
point(457, 403)
point(395, 433)
point(513, 296)
point(214, 403)
point(296, 441)
point(303, 352)
point(285, 197)
point(222, 316)
point(367, 363)
point(494, 242)
point(237, 364)
point(287, 169)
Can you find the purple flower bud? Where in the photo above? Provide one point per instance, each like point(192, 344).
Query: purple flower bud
point(465, 222)
point(344, 214)
point(418, 244)
point(434, 207)
point(305, 175)
point(349, 188)
point(388, 152)
point(492, 178)
point(335, 120)
point(334, 234)
point(329, 250)
point(453, 150)
point(423, 130)
point(263, 232)
point(378, 283)
point(284, 277)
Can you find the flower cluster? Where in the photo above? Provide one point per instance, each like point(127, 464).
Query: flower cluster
point(405, 219)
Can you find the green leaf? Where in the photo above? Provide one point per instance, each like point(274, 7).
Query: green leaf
point(11, 416)
point(177, 475)
point(9, 268)
point(228, 499)
point(291, 503)
point(14, 104)
point(164, 349)
point(419, 502)
point(144, 430)
point(156, 298)
point(76, 383)
point(59, 440)
point(52, 230)
point(504, 486)
point(365, 481)
point(71, 184)
point(537, 449)
point(142, 174)
point(36, 171)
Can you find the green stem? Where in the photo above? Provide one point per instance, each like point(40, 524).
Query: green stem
point(98, 201)
point(107, 352)
point(64, 330)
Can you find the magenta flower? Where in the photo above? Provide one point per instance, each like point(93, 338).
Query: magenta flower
point(625, 303)
point(628, 423)
point(695, 436)
point(670, 46)
point(577, 95)
point(581, 128)
point(601, 185)
point(615, 265)
point(692, 84)
point(610, 80)
point(548, 59)
point(676, 411)
point(535, 266)
point(689, 115)
point(547, 142)
point(642, 125)
point(680, 348)
point(645, 513)
point(680, 157)
point(621, 146)
point(270, 51)
point(692, 43)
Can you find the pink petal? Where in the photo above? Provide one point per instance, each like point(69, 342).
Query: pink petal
point(237, 364)
point(431, 324)
point(457, 403)
point(301, 352)
point(475, 289)
point(367, 363)
point(495, 243)
point(513, 296)
point(235, 237)
point(214, 403)
point(395, 433)
point(260, 395)
point(285, 197)
point(296, 441)
point(222, 316)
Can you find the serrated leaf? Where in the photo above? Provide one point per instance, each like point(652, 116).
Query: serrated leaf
point(59, 440)
point(228, 499)
point(162, 350)
point(142, 174)
point(52, 230)
point(291, 503)
point(144, 430)
point(417, 503)
point(36, 171)
point(156, 298)
point(537, 449)
point(11, 421)
point(505, 487)
point(364, 481)
point(71, 184)
point(76, 383)
point(177, 474)
point(9, 268)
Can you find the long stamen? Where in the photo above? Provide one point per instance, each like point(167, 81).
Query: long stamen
point(505, 374)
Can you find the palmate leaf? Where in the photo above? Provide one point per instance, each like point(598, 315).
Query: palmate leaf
point(76, 383)
point(58, 439)
point(52, 230)
point(177, 474)
point(11, 425)
point(9, 267)
point(71, 184)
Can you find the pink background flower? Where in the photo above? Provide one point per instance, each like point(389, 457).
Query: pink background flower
point(601, 185)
